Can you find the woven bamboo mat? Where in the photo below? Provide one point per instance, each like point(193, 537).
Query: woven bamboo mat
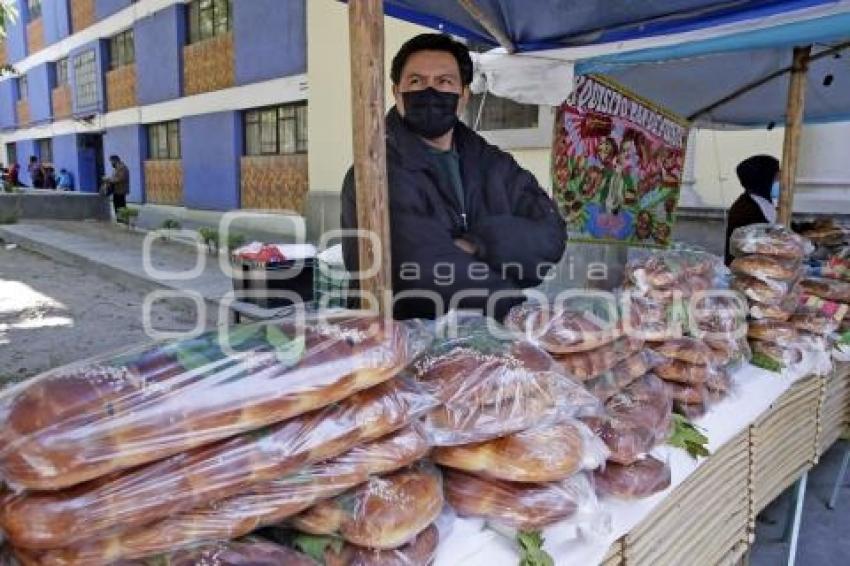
point(783, 442)
point(703, 520)
point(834, 409)
point(615, 555)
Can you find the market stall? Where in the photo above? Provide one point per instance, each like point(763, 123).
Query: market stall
point(340, 436)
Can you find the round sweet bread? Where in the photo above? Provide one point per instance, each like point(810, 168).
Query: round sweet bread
point(638, 480)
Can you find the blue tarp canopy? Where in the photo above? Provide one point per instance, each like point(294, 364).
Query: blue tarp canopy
point(549, 24)
point(682, 54)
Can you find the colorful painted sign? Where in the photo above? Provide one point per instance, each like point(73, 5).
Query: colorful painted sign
point(617, 165)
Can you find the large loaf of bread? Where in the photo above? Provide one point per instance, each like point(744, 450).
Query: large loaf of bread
point(491, 386)
point(82, 422)
point(264, 504)
point(561, 331)
point(211, 473)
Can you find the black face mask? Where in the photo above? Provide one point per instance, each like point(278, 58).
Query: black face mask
point(430, 113)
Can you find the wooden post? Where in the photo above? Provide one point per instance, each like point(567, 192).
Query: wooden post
point(793, 127)
point(366, 30)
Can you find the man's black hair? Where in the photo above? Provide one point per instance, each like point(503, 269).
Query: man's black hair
point(114, 157)
point(433, 42)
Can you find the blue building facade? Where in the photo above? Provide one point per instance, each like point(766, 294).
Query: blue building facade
point(188, 96)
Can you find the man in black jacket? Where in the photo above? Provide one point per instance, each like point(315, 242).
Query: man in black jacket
point(759, 175)
point(469, 227)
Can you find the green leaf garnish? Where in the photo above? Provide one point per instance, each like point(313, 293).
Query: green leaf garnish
point(531, 549)
point(315, 546)
point(687, 436)
point(287, 350)
point(762, 361)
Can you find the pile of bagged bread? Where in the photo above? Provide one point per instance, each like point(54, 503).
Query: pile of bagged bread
point(679, 300)
point(209, 439)
point(617, 370)
point(768, 268)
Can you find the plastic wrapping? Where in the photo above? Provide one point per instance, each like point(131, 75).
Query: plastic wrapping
point(634, 481)
point(637, 419)
point(827, 234)
point(767, 268)
point(675, 270)
point(766, 291)
point(829, 289)
point(385, 512)
point(89, 419)
point(777, 357)
point(563, 331)
point(524, 506)
point(772, 331)
point(491, 386)
point(249, 552)
point(718, 316)
point(831, 268)
point(683, 372)
point(623, 374)
point(814, 323)
point(211, 473)
point(811, 304)
point(769, 239)
point(587, 365)
point(730, 353)
point(263, 504)
point(780, 312)
point(653, 318)
point(421, 550)
point(687, 394)
point(690, 350)
point(549, 452)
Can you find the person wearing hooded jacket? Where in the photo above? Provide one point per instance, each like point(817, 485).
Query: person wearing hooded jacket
point(466, 221)
point(759, 175)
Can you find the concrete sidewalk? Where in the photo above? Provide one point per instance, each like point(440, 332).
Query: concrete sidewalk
point(117, 254)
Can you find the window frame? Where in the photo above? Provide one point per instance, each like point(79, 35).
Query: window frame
point(122, 49)
point(207, 19)
point(11, 153)
point(292, 115)
point(62, 63)
point(45, 156)
point(538, 137)
point(34, 6)
point(92, 92)
point(23, 88)
point(169, 133)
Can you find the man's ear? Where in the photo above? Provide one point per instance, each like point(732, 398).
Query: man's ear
point(465, 95)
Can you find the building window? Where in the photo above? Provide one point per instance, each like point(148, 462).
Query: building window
point(209, 18)
point(122, 50)
point(280, 130)
point(85, 77)
point(62, 72)
point(501, 113)
point(34, 8)
point(11, 154)
point(23, 88)
point(45, 150)
point(164, 140)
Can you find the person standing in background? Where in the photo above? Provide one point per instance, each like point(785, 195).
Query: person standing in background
point(759, 175)
point(36, 173)
point(118, 184)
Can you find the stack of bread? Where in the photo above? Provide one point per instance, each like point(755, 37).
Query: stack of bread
point(767, 269)
point(679, 301)
point(203, 440)
point(506, 433)
point(616, 369)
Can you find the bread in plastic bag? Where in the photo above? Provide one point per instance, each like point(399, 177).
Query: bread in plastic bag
point(780, 312)
point(385, 512)
point(729, 352)
point(547, 452)
point(776, 355)
point(524, 506)
point(637, 419)
point(421, 550)
point(563, 331)
point(638, 480)
point(769, 239)
point(249, 552)
point(684, 271)
point(811, 304)
point(623, 374)
point(814, 323)
point(829, 289)
point(490, 386)
point(768, 292)
point(652, 318)
point(263, 504)
point(772, 331)
point(688, 394)
point(210, 473)
point(832, 268)
point(767, 268)
point(683, 372)
point(89, 419)
point(587, 365)
point(690, 350)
